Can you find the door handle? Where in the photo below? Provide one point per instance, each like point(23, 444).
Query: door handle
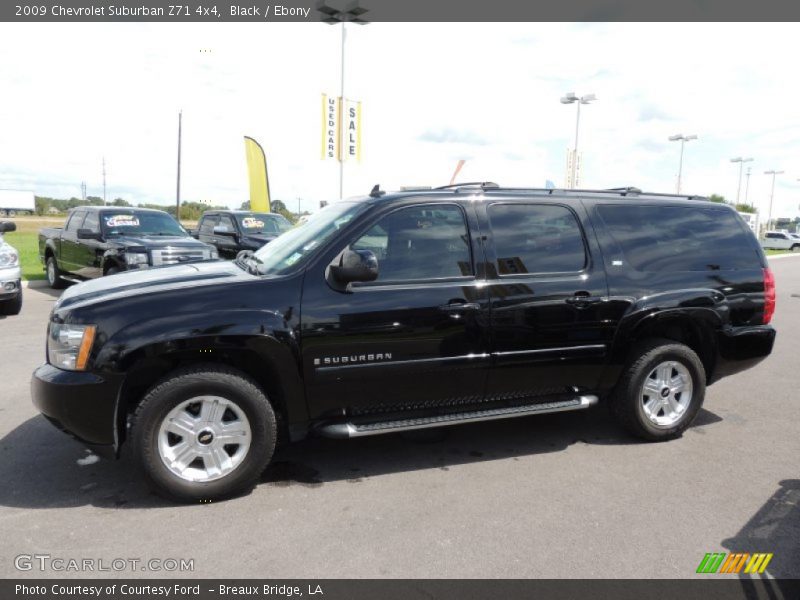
point(582, 300)
point(459, 306)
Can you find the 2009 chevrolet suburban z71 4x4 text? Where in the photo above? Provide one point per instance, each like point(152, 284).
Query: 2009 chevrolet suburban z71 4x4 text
point(409, 310)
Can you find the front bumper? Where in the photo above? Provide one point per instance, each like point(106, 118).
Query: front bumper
point(10, 282)
point(740, 348)
point(81, 404)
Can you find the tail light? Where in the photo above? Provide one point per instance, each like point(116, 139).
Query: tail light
point(769, 295)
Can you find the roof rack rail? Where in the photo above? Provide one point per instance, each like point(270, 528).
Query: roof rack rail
point(484, 185)
point(626, 190)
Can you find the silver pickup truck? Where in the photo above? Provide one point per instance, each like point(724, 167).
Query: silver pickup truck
point(10, 274)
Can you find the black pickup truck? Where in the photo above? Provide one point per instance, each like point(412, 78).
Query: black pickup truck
point(97, 241)
point(232, 231)
point(409, 310)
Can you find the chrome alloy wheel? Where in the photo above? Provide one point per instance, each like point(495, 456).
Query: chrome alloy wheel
point(666, 393)
point(51, 271)
point(204, 438)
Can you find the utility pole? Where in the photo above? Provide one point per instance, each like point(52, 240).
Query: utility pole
point(83, 191)
point(572, 98)
point(741, 162)
point(105, 203)
point(178, 190)
point(771, 194)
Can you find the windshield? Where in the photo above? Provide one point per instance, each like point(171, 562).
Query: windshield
point(263, 223)
point(140, 223)
point(296, 245)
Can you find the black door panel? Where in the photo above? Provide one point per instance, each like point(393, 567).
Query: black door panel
point(394, 345)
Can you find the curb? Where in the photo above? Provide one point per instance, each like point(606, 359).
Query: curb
point(787, 255)
point(36, 283)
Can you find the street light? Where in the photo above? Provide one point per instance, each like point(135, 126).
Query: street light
point(682, 139)
point(332, 16)
point(741, 162)
point(571, 98)
point(771, 194)
point(747, 186)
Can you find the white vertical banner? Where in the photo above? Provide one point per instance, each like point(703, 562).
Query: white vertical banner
point(352, 130)
point(331, 132)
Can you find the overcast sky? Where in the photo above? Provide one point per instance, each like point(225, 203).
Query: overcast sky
point(431, 93)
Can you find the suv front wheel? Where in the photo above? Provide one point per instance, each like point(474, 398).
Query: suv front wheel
point(661, 391)
point(204, 433)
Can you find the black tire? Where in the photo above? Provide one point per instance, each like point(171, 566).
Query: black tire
point(112, 271)
point(627, 403)
point(54, 276)
point(184, 384)
point(11, 307)
point(796, 248)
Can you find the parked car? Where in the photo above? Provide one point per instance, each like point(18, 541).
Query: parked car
point(97, 241)
point(780, 240)
point(232, 231)
point(411, 310)
point(10, 274)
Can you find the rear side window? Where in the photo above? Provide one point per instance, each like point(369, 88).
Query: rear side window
point(536, 238)
point(76, 220)
point(207, 224)
point(91, 222)
point(679, 238)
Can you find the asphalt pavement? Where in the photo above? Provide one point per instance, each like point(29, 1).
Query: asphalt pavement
point(552, 496)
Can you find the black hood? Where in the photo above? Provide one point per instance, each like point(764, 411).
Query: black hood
point(259, 238)
point(155, 241)
point(147, 281)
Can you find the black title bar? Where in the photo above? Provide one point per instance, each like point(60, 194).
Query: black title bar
point(364, 11)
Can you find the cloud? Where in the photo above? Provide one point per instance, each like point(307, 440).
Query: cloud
point(649, 112)
point(448, 135)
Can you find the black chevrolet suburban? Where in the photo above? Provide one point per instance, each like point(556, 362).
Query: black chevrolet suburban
point(97, 241)
point(411, 310)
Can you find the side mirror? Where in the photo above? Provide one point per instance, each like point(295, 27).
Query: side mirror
point(224, 231)
point(88, 234)
point(6, 226)
point(355, 265)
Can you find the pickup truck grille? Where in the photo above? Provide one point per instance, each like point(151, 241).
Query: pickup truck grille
point(173, 255)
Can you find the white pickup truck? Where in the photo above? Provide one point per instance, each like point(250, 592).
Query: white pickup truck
point(781, 240)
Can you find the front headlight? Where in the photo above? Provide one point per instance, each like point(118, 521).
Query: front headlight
point(136, 258)
point(68, 346)
point(8, 257)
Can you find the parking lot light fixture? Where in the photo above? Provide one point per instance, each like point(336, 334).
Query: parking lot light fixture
point(741, 162)
point(572, 98)
point(682, 139)
point(771, 194)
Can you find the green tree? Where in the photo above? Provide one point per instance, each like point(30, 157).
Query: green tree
point(717, 198)
point(120, 202)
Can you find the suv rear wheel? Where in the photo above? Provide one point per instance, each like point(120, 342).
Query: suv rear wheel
point(204, 433)
point(660, 392)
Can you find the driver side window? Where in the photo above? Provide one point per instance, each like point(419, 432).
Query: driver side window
point(419, 243)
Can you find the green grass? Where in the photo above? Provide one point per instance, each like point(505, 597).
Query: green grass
point(27, 244)
point(771, 252)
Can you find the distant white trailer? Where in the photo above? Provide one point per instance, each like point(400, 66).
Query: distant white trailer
point(14, 202)
point(752, 221)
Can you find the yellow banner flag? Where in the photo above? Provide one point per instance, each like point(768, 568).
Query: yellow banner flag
point(257, 172)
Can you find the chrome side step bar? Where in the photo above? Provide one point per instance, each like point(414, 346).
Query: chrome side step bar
point(350, 430)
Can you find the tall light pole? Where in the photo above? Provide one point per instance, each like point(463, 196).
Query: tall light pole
point(178, 189)
point(682, 139)
point(741, 162)
point(572, 98)
point(771, 194)
point(332, 16)
point(747, 186)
